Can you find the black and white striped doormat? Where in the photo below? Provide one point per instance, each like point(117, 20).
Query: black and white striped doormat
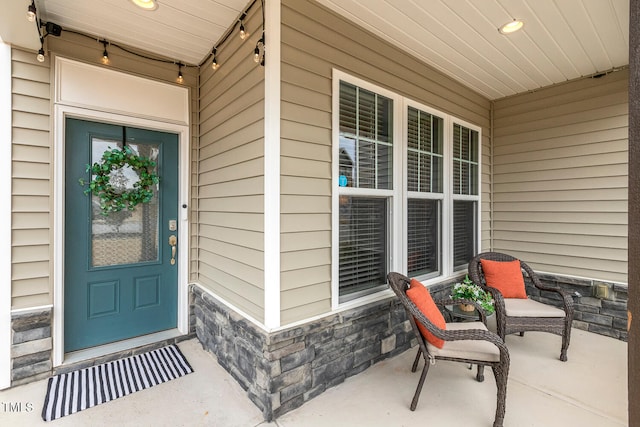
point(74, 391)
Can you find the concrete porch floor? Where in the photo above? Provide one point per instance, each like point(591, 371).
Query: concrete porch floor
point(588, 390)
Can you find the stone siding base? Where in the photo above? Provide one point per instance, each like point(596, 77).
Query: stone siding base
point(31, 346)
point(282, 370)
point(594, 312)
point(31, 349)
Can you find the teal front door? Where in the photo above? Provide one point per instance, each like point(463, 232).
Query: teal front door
point(120, 272)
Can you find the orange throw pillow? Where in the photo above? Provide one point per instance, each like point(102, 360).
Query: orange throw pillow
point(415, 283)
point(505, 276)
point(422, 299)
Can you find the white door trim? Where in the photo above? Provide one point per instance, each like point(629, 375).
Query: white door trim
point(61, 112)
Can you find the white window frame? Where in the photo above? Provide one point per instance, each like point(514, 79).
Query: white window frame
point(398, 194)
point(477, 198)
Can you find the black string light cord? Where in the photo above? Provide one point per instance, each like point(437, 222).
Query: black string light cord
point(50, 25)
point(230, 31)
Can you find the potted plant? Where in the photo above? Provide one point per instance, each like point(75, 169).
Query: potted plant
point(470, 291)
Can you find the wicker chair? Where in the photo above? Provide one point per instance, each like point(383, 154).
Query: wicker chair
point(512, 314)
point(469, 343)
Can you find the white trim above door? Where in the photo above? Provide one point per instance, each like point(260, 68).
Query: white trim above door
point(80, 79)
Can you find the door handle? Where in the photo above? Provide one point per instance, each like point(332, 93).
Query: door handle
point(173, 241)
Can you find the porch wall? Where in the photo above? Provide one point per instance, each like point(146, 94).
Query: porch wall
point(560, 178)
point(230, 178)
point(314, 41)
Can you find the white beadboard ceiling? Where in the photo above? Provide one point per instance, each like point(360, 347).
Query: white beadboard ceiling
point(561, 39)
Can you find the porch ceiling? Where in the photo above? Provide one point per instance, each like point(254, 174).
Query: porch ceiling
point(561, 40)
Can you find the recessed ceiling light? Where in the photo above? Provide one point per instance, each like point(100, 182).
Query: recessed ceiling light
point(146, 4)
point(511, 27)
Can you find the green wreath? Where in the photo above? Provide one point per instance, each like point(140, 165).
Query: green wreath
point(116, 198)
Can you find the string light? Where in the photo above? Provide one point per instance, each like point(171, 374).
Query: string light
point(105, 54)
point(243, 33)
point(32, 16)
point(214, 62)
point(180, 79)
point(31, 12)
point(259, 51)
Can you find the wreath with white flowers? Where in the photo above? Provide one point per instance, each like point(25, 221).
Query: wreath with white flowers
point(114, 198)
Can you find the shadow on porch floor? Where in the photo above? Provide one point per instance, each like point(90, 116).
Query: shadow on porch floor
point(588, 390)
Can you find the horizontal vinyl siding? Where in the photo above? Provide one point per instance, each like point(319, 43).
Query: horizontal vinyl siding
point(560, 178)
point(230, 165)
point(31, 182)
point(314, 41)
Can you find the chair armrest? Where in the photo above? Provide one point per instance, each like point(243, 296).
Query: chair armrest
point(567, 299)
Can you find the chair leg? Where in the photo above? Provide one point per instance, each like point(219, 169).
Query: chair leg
point(480, 374)
point(416, 396)
point(417, 359)
point(500, 373)
point(566, 338)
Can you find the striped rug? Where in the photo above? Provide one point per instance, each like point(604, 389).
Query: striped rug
point(74, 391)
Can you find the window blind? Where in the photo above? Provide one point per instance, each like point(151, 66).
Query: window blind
point(363, 243)
point(423, 236)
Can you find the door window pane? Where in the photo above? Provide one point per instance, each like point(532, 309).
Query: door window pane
point(125, 237)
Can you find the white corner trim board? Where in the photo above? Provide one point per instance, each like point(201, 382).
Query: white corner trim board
point(5, 214)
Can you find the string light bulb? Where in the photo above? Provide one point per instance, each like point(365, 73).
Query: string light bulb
point(180, 79)
point(31, 12)
point(258, 55)
point(214, 62)
point(243, 33)
point(105, 54)
point(40, 56)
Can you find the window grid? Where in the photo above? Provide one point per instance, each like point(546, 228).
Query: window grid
point(465, 160)
point(368, 136)
point(423, 141)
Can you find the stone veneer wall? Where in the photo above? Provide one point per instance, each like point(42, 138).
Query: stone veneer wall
point(31, 346)
point(282, 370)
point(31, 357)
point(604, 316)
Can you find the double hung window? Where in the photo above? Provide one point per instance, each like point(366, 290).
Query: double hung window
point(365, 156)
point(406, 189)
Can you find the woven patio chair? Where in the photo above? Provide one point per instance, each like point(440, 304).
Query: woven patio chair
point(469, 343)
point(524, 314)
